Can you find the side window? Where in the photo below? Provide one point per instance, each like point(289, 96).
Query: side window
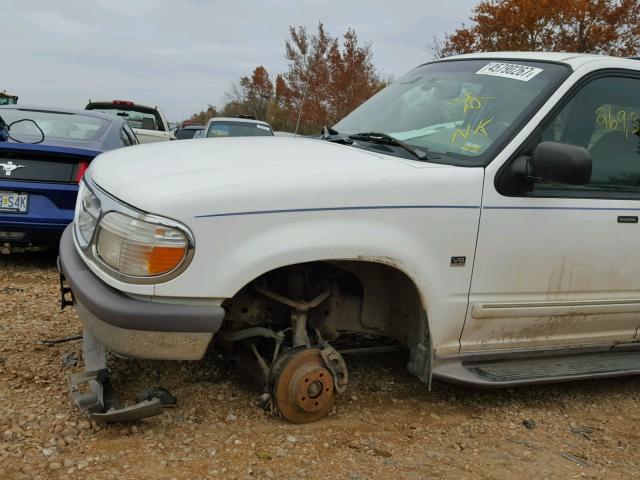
point(133, 139)
point(124, 137)
point(604, 118)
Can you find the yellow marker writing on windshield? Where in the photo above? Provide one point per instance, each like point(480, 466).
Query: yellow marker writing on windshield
point(471, 102)
point(479, 129)
point(462, 133)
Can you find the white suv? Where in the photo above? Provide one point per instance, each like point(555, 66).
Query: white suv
point(481, 212)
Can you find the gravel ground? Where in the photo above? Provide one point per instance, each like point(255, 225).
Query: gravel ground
point(387, 425)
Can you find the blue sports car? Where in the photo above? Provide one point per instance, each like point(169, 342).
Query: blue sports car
point(43, 155)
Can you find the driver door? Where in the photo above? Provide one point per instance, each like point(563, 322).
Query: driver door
point(559, 265)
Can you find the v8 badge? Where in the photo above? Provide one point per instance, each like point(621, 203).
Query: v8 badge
point(458, 261)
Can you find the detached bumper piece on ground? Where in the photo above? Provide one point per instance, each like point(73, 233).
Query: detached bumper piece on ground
point(92, 392)
point(101, 402)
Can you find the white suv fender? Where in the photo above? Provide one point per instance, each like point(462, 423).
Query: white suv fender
point(410, 240)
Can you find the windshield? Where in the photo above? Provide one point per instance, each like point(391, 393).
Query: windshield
point(143, 120)
point(238, 129)
point(66, 126)
point(457, 110)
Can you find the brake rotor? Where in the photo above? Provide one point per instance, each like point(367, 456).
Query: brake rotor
point(303, 386)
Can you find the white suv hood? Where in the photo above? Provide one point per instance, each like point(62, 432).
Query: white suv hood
point(230, 174)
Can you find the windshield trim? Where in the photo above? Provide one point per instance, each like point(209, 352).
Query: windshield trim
point(496, 59)
point(451, 158)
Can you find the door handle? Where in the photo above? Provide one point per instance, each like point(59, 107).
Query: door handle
point(627, 219)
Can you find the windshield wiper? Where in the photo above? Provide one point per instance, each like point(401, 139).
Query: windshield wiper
point(384, 139)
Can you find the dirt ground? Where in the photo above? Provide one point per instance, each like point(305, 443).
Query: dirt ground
point(388, 425)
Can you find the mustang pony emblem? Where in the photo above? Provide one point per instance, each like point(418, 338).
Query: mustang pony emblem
point(9, 167)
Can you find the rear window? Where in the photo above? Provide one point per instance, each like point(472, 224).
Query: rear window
point(136, 117)
point(66, 126)
point(186, 133)
point(238, 129)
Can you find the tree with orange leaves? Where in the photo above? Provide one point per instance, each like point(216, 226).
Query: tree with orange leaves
point(588, 26)
point(257, 92)
point(251, 95)
point(325, 80)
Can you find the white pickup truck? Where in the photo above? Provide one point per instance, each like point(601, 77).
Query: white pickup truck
point(148, 123)
point(481, 212)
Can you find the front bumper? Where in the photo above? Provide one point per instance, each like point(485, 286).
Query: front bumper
point(133, 327)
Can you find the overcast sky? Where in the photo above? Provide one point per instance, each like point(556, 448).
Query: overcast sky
point(184, 54)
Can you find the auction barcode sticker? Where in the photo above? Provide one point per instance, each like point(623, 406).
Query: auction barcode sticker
point(510, 70)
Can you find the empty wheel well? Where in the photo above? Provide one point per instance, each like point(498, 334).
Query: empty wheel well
point(365, 297)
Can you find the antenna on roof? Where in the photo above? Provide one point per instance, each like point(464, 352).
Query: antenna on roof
point(304, 97)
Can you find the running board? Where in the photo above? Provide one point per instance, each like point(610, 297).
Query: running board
point(543, 369)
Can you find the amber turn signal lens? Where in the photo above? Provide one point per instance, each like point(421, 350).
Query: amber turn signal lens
point(164, 259)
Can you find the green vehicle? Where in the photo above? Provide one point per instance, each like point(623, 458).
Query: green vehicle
point(7, 99)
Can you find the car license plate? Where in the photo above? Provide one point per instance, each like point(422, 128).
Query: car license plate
point(13, 202)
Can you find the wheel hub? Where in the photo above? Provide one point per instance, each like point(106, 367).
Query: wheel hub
point(303, 386)
point(313, 389)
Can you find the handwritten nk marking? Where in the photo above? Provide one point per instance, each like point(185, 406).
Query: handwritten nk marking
point(463, 133)
point(480, 129)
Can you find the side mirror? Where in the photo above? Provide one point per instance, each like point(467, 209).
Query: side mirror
point(560, 163)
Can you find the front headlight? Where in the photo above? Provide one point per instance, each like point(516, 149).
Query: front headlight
point(140, 248)
point(87, 213)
